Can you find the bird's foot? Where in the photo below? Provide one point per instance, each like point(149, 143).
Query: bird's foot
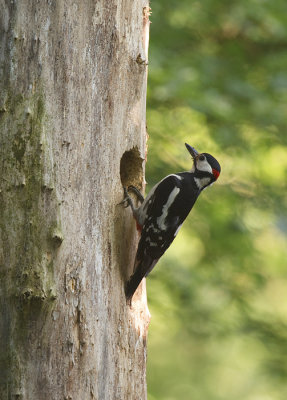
point(136, 191)
point(127, 201)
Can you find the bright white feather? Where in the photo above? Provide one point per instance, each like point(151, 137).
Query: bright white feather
point(165, 208)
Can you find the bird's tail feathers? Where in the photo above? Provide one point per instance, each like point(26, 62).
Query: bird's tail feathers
point(142, 269)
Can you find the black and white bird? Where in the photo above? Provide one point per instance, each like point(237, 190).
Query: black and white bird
point(163, 211)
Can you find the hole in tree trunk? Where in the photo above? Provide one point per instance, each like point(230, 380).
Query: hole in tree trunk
point(131, 168)
point(131, 171)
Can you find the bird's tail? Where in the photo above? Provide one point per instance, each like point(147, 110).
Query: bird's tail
point(142, 269)
point(133, 283)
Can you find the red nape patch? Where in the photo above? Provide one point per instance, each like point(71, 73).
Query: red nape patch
point(215, 173)
point(139, 227)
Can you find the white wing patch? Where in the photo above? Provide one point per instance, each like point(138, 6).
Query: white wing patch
point(170, 200)
point(177, 176)
point(141, 212)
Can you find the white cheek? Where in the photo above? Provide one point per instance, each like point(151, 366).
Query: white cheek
point(203, 166)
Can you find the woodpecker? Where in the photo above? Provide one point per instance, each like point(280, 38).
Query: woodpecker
point(163, 211)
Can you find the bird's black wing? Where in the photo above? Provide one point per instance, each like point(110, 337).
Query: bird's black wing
point(166, 207)
point(164, 217)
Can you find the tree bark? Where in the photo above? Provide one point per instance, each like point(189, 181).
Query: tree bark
point(72, 131)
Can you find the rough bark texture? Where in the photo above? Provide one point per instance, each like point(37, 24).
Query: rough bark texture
point(72, 130)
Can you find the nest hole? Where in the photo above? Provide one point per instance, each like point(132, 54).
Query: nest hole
point(131, 168)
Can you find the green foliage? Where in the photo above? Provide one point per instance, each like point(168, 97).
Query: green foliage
point(218, 81)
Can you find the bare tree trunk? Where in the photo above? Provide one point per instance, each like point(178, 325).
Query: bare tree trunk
point(72, 126)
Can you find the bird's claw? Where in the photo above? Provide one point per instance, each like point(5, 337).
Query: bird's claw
point(136, 191)
point(126, 200)
point(124, 203)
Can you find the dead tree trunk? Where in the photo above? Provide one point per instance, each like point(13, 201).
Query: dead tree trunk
point(72, 131)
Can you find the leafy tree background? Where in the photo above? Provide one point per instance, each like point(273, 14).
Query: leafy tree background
point(218, 80)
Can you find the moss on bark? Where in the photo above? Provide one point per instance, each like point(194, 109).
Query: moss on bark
point(28, 222)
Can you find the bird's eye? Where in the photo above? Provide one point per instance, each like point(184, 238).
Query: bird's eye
point(201, 158)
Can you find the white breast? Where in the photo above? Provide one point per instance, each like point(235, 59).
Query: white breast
point(201, 182)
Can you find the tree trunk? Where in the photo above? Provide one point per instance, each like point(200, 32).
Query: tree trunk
point(72, 126)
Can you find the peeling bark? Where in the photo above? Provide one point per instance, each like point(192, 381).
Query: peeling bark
point(72, 103)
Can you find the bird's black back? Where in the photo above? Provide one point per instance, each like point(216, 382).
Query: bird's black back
point(154, 239)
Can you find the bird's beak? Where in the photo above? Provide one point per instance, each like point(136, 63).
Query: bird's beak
point(191, 150)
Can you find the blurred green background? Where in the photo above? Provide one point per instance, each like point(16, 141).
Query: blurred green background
point(218, 297)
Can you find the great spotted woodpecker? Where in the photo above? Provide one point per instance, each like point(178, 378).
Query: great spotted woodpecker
point(163, 211)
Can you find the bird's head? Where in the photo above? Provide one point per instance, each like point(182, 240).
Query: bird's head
point(206, 168)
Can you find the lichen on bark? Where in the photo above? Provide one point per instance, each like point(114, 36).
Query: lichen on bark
point(28, 219)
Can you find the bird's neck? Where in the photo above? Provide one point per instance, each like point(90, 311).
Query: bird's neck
point(201, 179)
